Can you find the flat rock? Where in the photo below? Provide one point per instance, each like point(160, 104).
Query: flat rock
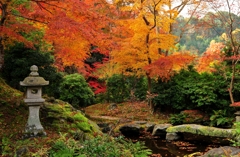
point(203, 130)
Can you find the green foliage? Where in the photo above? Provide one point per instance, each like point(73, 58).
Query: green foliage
point(118, 89)
point(75, 90)
point(99, 146)
point(19, 59)
point(121, 88)
point(138, 149)
point(139, 87)
point(191, 90)
point(6, 146)
point(177, 119)
point(221, 118)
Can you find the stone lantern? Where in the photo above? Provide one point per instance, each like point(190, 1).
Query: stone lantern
point(34, 99)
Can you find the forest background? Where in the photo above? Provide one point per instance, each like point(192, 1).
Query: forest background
point(95, 51)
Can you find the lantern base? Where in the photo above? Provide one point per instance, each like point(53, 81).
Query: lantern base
point(34, 127)
point(33, 131)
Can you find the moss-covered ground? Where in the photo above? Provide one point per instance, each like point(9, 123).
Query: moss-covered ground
point(57, 117)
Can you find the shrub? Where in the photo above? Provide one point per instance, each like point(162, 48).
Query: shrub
point(191, 90)
point(19, 59)
point(177, 119)
point(139, 87)
point(75, 90)
point(118, 89)
point(121, 88)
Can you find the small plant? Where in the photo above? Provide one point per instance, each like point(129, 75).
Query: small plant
point(100, 146)
point(137, 149)
point(220, 119)
point(177, 119)
point(6, 146)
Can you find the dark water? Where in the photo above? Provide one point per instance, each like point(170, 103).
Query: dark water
point(188, 145)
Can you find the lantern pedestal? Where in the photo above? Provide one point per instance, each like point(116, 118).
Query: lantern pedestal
point(34, 127)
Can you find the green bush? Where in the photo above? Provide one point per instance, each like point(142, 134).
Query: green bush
point(177, 119)
point(118, 89)
point(139, 87)
point(121, 88)
point(75, 90)
point(19, 59)
point(191, 90)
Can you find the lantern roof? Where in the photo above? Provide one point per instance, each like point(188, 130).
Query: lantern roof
point(34, 79)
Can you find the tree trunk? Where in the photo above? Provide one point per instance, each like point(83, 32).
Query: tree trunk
point(231, 86)
point(150, 104)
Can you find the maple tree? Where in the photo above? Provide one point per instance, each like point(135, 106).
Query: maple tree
point(71, 26)
point(145, 50)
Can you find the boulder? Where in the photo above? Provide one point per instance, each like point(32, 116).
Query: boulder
point(160, 129)
point(62, 116)
point(130, 130)
point(149, 126)
point(222, 151)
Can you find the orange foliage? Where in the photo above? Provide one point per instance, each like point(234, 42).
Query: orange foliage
point(72, 26)
point(165, 66)
point(210, 58)
point(76, 25)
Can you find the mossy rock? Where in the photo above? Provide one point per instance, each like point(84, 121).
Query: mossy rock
point(63, 117)
point(203, 130)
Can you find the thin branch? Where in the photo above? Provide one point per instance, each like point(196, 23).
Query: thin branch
point(44, 8)
point(30, 19)
point(155, 16)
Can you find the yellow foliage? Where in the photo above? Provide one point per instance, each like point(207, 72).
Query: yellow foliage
point(150, 38)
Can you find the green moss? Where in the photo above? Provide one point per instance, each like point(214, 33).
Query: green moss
point(203, 130)
point(84, 126)
point(67, 118)
point(80, 117)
